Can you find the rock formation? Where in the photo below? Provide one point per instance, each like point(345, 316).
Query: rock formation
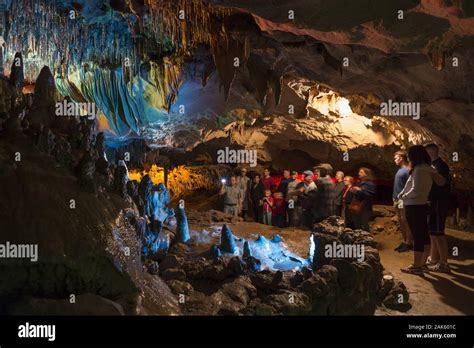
point(227, 240)
point(182, 228)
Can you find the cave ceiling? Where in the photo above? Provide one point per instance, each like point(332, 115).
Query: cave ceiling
point(307, 76)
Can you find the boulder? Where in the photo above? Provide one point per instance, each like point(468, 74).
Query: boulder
point(173, 273)
point(180, 287)
point(171, 261)
point(397, 298)
point(240, 290)
point(290, 303)
point(346, 273)
point(152, 267)
point(217, 272)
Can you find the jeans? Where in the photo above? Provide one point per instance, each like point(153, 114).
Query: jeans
point(267, 218)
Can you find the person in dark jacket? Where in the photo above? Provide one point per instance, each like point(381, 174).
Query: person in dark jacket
point(256, 195)
point(323, 206)
point(346, 201)
point(363, 193)
point(438, 211)
point(296, 213)
point(283, 186)
point(339, 189)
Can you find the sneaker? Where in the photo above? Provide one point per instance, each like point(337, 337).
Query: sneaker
point(398, 247)
point(405, 248)
point(430, 261)
point(413, 270)
point(440, 267)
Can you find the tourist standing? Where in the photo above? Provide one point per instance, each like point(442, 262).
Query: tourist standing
point(438, 212)
point(279, 210)
point(307, 199)
point(267, 180)
point(283, 186)
point(323, 206)
point(232, 196)
point(267, 208)
point(256, 194)
point(346, 201)
point(243, 182)
point(401, 160)
point(308, 182)
point(296, 213)
point(291, 195)
point(291, 189)
point(415, 200)
point(361, 204)
point(339, 189)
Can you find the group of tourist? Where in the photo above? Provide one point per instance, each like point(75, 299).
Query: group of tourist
point(294, 202)
point(421, 193)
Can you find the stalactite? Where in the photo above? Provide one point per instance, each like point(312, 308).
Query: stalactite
point(437, 59)
point(118, 43)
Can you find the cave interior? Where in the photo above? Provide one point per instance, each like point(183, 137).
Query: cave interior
point(120, 119)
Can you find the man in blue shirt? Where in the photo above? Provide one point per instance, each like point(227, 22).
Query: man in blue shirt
point(401, 160)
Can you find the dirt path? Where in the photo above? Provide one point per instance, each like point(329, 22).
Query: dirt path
point(436, 293)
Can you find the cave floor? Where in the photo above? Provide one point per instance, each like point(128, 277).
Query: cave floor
point(434, 294)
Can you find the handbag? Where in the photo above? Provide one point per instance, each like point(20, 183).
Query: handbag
point(356, 206)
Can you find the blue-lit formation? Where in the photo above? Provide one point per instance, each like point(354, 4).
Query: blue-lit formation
point(182, 227)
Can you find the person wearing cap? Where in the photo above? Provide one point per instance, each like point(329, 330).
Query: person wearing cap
point(323, 206)
point(292, 183)
point(309, 184)
point(243, 181)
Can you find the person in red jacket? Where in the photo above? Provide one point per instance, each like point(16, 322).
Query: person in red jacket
point(267, 181)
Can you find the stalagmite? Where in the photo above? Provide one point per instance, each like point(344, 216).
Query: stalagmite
point(276, 238)
point(246, 252)
point(182, 228)
point(43, 109)
point(17, 75)
point(227, 240)
point(215, 251)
